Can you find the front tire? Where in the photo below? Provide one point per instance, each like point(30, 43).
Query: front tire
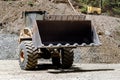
point(65, 60)
point(67, 57)
point(27, 56)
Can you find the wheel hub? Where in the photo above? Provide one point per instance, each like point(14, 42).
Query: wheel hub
point(22, 56)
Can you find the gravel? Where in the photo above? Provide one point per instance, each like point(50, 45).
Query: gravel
point(8, 46)
point(10, 70)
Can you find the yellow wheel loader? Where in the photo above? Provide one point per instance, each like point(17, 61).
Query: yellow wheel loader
point(53, 36)
point(93, 10)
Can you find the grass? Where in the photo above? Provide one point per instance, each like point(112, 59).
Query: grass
point(30, 3)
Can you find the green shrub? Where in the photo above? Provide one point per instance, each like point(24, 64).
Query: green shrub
point(30, 3)
point(84, 9)
point(116, 10)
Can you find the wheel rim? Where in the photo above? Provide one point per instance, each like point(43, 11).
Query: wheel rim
point(22, 56)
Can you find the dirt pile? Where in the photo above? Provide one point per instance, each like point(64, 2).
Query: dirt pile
point(11, 11)
point(107, 27)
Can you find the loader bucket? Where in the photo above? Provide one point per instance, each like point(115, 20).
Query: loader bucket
point(51, 31)
point(65, 32)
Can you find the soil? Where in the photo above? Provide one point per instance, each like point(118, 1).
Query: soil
point(47, 71)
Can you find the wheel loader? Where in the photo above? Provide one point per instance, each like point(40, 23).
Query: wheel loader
point(93, 10)
point(53, 37)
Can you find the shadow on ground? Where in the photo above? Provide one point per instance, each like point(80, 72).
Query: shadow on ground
point(45, 67)
point(77, 69)
point(53, 69)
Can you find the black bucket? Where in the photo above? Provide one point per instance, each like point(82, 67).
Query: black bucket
point(63, 32)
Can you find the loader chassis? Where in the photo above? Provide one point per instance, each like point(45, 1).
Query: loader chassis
point(53, 36)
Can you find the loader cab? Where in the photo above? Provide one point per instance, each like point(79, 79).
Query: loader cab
point(29, 16)
point(29, 19)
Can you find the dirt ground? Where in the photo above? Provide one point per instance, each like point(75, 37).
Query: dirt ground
point(9, 70)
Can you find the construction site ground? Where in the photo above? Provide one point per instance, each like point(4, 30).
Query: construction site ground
point(10, 70)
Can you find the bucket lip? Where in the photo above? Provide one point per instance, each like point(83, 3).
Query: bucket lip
point(70, 46)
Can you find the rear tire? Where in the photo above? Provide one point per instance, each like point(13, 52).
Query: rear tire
point(27, 56)
point(67, 58)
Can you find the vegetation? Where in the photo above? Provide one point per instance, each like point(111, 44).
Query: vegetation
point(30, 3)
point(111, 7)
point(108, 6)
point(83, 9)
